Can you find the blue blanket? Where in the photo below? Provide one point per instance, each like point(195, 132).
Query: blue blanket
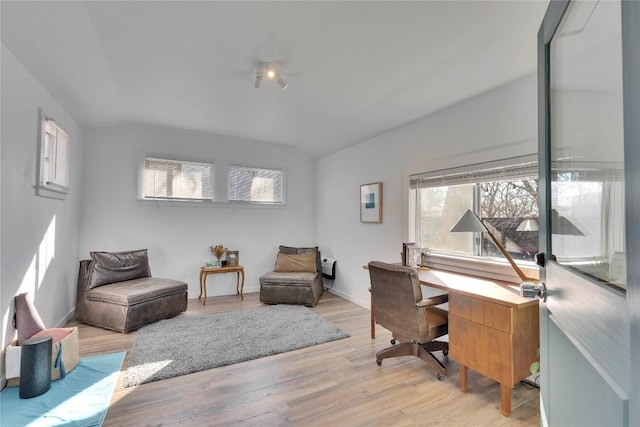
point(80, 399)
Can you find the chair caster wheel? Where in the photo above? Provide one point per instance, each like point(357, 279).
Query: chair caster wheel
point(379, 362)
point(393, 341)
point(445, 352)
point(440, 377)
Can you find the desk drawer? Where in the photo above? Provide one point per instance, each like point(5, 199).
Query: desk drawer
point(483, 349)
point(486, 313)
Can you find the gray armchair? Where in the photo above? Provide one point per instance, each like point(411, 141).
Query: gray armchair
point(415, 323)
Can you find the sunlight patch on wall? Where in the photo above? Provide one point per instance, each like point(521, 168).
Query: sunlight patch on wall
point(28, 283)
point(34, 276)
point(47, 250)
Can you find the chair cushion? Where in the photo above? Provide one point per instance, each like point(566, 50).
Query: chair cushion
point(298, 263)
point(111, 267)
point(136, 291)
point(295, 279)
point(291, 250)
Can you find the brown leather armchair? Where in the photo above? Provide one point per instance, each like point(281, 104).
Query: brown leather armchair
point(293, 281)
point(116, 291)
point(415, 323)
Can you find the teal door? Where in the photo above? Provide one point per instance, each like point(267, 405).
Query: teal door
point(590, 213)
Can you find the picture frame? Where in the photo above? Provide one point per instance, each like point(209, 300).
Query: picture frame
point(233, 258)
point(371, 202)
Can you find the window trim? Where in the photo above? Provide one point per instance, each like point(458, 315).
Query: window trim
point(43, 187)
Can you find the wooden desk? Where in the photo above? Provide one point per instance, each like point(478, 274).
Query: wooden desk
point(492, 329)
point(205, 271)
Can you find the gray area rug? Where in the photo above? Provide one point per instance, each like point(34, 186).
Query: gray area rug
point(187, 344)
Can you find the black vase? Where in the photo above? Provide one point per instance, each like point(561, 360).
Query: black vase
point(35, 367)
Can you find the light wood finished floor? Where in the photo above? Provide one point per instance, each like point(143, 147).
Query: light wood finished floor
point(332, 384)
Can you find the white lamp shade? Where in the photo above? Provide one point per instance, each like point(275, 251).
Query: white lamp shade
point(528, 225)
point(468, 222)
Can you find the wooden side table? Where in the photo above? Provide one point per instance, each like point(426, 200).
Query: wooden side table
point(205, 271)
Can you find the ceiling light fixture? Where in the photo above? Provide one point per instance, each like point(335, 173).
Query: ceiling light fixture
point(270, 72)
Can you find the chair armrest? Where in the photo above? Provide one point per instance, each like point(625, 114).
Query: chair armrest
point(434, 300)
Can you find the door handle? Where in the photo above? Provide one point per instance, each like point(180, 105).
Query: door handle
point(532, 290)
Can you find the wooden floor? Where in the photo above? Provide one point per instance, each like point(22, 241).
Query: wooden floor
point(332, 384)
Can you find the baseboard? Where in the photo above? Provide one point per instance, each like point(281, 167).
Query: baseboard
point(69, 316)
point(366, 304)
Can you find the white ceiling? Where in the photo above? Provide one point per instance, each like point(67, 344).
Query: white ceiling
point(355, 68)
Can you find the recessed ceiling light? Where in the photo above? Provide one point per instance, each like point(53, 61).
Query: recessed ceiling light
point(270, 71)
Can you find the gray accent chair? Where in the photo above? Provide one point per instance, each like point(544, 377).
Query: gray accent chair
point(415, 323)
point(116, 291)
point(301, 287)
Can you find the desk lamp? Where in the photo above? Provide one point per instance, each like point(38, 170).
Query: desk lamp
point(469, 222)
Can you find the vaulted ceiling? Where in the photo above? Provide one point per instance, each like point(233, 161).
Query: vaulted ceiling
point(355, 69)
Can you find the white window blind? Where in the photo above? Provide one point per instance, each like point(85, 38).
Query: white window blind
point(177, 179)
point(504, 169)
point(54, 157)
point(256, 185)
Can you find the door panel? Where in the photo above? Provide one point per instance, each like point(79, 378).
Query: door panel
point(594, 318)
point(572, 377)
point(585, 321)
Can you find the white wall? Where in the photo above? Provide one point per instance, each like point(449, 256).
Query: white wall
point(29, 223)
point(497, 124)
point(178, 235)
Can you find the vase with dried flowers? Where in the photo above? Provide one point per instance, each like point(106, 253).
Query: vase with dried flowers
point(217, 251)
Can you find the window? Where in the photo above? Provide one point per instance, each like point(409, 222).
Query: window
point(255, 185)
point(503, 194)
point(177, 180)
point(53, 172)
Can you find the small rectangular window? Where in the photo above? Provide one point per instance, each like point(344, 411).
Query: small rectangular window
point(177, 180)
point(53, 173)
point(255, 185)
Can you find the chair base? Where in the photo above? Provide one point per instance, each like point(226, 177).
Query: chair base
point(423, 351)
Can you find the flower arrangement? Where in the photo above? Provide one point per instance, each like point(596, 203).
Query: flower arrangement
point(217, 251)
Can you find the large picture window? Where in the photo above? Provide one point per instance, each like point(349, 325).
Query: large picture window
point(503, 194)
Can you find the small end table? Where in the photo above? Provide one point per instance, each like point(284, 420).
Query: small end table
point(205, 271)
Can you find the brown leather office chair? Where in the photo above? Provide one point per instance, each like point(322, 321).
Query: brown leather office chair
point(414, 322)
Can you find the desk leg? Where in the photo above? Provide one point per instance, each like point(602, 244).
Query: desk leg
point(464, 378)
point(505, 400)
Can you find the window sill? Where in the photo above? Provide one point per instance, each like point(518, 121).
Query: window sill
point(51, 192)
point(210, 204)
point(491, 268)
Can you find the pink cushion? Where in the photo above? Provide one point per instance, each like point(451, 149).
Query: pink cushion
point(57, 334)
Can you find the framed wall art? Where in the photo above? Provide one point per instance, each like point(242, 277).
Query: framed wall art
point(233, 258)
point(371, 202)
